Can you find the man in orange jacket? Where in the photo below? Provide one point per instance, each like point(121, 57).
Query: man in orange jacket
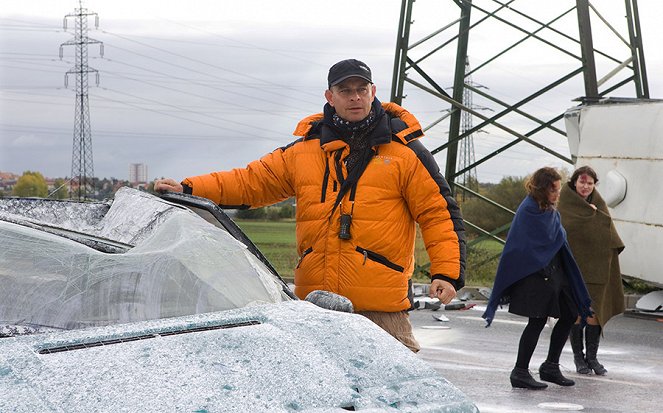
point(362, 180)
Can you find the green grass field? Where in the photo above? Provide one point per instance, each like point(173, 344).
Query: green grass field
point(276, 239)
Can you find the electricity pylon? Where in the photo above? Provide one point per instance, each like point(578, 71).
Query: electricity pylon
point(466, 155)
point(82, 168)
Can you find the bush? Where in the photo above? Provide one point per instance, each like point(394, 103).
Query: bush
point(258, 213)
point(287, 211)
point(270, 213)
point(509, 193)
point(31, 184)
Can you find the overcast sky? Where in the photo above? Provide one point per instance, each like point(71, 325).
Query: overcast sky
point(191, 87)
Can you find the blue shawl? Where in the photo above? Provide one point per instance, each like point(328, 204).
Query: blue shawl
point(533, 240)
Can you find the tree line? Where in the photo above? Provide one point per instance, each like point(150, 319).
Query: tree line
point(508, 193)
point(33, 184)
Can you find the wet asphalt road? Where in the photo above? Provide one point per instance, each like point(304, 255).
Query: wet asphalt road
point(478, 361)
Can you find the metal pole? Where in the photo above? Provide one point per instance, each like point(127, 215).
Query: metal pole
point(401, 52)
point(637, 52)
point(587, 49)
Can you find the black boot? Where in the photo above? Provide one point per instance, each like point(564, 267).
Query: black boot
point(550, 372)
point(521, 378)
point(576, 344)
point(592, 337)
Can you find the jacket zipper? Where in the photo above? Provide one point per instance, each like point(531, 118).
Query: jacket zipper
point(325, 181)
point(373, 256)
point(306, 252)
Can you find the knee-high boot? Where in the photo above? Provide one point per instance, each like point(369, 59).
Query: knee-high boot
point(576, 337)
point(592, 337)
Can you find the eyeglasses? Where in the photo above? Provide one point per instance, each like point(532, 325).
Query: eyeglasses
point(347, 92)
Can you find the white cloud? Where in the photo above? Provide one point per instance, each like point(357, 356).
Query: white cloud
point(29, 141)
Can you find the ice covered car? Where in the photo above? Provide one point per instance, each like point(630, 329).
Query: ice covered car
point(150, 304)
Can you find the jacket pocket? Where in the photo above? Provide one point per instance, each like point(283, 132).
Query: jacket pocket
point(306, 252)
point(375, 257)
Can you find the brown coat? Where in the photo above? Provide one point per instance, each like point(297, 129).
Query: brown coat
point(596, 245)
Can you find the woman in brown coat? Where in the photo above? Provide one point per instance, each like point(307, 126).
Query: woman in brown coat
point(595, 245)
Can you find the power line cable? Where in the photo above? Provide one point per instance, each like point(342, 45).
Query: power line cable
point(246, 44)
point(184, 110)
point(118, 134)
point(205, 85)
point(193, 60)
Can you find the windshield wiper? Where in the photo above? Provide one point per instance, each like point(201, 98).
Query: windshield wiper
point(92, 241)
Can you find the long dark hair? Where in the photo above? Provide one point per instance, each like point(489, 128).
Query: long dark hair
point(583, 170)
point(540, 183)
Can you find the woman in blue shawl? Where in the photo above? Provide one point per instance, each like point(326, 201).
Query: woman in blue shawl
point(539, 277)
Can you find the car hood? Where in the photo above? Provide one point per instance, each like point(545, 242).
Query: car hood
point(285, 357)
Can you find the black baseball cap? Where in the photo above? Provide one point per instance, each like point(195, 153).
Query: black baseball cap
point(346, 69)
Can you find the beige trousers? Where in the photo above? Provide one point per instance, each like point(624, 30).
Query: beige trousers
point(396, 324)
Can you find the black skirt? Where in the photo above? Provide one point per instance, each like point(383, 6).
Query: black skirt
point(545, 293)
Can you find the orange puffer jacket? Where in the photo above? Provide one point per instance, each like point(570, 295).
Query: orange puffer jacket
point(401, 185)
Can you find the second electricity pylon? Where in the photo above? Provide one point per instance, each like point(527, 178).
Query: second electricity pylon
point(82, 169)
point(466, 156)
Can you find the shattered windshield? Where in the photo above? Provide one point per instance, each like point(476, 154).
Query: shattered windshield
point(67, 265)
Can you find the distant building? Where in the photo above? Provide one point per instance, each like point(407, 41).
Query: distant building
point(137, 173)
point(7, 181)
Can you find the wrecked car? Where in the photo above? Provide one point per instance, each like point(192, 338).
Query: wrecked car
point(163, 304)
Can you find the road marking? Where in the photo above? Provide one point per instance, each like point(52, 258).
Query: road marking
point(495, 320)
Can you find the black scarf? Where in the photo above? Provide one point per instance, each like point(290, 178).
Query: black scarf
point(356, 134)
